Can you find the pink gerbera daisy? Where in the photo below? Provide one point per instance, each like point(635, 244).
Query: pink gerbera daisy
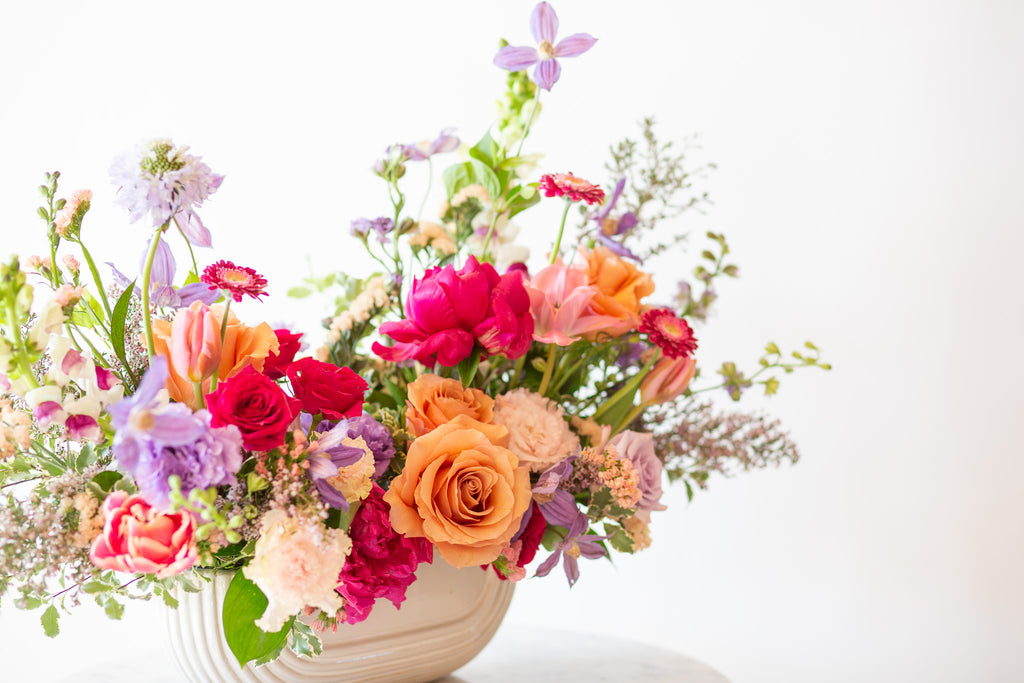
point(669, 332)
point(576, 189)
point(236, 280)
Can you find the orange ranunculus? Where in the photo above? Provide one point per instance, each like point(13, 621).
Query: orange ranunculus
point(667, 379)
point(462, 490)
point(621, 286)
point(243, 345)
point(434, 401)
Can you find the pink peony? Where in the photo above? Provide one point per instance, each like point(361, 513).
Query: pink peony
point(138, 538)
point(562, 304)
point(451, 311)
point(382, 563)
point(638, 448)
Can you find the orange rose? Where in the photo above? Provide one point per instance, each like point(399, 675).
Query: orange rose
point(243, 345)
point(434, 401)
point(621, 286)
point(462, 490)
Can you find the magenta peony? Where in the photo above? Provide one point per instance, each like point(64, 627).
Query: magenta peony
point(451, 311)
point(382, 563)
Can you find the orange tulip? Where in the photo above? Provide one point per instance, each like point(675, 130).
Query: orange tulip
point(195, 342)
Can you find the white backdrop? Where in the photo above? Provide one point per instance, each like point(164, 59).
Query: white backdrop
point(870, 184)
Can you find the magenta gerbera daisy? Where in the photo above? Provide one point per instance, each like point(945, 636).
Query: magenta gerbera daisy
point(669, 332)
point(236, 280)
point(568, 185)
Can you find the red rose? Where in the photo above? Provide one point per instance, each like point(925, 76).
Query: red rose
point(256, 405)
point(531, 535)
point(277, 364)
point(327, 389)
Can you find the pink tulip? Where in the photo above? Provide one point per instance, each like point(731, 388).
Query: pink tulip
point(195, 342)
point(667, 379)
point(561, 303)
point(138, 538)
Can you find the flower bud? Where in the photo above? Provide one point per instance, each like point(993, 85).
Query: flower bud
point(667, 379)
point(195, 343)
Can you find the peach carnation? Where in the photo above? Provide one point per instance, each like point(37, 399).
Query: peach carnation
point(538, 432)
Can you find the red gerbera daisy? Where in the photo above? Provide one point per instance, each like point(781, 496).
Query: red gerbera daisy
point(236, 280)
point(669, 332)
point(576, 189)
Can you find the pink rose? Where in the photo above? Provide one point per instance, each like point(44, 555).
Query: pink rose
point(138, 538)
point(256, 405)
point(450, 312)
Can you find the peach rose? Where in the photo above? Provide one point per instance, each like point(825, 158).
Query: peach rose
point(243, 345)
point(462, 490)
point(621, 286)
point(434, 401)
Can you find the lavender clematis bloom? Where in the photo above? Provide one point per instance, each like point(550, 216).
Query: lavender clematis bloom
point(577, 543)
point(162, 293)
point(544, 25)
point(608, 227)
point(144, 415)
point(326, 456)
point(444, 142)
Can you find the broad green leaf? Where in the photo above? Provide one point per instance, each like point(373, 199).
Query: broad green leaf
point(472, 172)
point(49, 621)
point(244, 603)
point(485, 150)
point(299, 292)
point(119, 314)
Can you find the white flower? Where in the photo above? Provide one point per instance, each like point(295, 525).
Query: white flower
point(297, 564)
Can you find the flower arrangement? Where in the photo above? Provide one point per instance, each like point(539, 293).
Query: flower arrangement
point(465, 405)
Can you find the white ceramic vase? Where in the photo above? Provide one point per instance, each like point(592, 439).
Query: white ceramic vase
point(448, 616)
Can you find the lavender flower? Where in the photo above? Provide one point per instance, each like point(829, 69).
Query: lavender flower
point(444, 142)
point(327, 455)
point(165, 182)
point(577, 542)
point(162, 292)
point(377, 437)
point(361, 228)
point(212, 459)
point(544, 25)
point(143, 416)
point(608, 227)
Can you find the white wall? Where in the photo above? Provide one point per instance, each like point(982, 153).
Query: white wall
point(870, 183)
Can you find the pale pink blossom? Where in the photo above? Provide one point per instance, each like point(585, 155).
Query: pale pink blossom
point(562, 305)
point(538, 432)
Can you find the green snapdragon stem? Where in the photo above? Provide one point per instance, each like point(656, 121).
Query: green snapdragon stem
point(516, 371)
point(96, 278)
point(628, 389)
point(147, 321)
point(561, 229)
point(548, 366)
point(19, 350)
point(529, 122)
point(490, 231)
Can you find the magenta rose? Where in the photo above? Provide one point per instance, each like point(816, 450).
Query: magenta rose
point(289, 344)
point(138, 538)
point(326, 389)
point(382, 563)
point(450, 312)
point(256, 405)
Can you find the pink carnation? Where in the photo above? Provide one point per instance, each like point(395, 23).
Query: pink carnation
point(382, 563)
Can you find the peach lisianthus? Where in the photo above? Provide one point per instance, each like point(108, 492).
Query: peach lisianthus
point(434, 401)
point(297, 563)
point(242, 346)
point(462, 490)
point(538, 432)
point(621, 286)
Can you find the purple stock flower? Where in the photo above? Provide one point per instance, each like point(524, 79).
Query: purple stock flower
point(377, 437)
point(607, 227)
point(420, 151)
point(577, 542)
point(167, 183)
point(544, 25)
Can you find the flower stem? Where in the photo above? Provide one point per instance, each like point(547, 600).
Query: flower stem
point(627, 389)
point(96, 278)
point(430, 179)
point(529, 122)
point(561, 229)
point(516, 371)
point(548, 367)
point(147, 317)
point(490, 231)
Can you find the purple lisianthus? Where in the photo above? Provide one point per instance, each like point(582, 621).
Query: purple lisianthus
point(361, 227)
point(377, 437)
point(444, 142)
point(609, 227)
point(212, 459)
point(168, 183)
point(544, 25)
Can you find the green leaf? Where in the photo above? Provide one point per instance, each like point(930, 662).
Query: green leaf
point(485, 150)
point(169, 599)
point(49, 621)
point(472, 172)
point(304, 641)
point(299, 292)
point(118, 316)
point(468, 366)
point(618, 538)
point(106, 480)
point(244, 603)
point(86, 457)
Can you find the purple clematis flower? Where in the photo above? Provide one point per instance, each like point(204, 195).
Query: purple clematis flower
point(326, 456)
point(162, 292)
point(544, 25)
point(608, 227)
point(577, 543)
point(444, 142)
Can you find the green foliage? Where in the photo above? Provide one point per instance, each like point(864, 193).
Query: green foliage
point(49, 621)
point(304, 641)
point(244, 603)
point(472, 172)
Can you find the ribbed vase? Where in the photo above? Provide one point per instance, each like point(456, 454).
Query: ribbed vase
point(448, 616)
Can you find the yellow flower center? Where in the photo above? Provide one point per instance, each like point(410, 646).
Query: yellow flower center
point(546, 50)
